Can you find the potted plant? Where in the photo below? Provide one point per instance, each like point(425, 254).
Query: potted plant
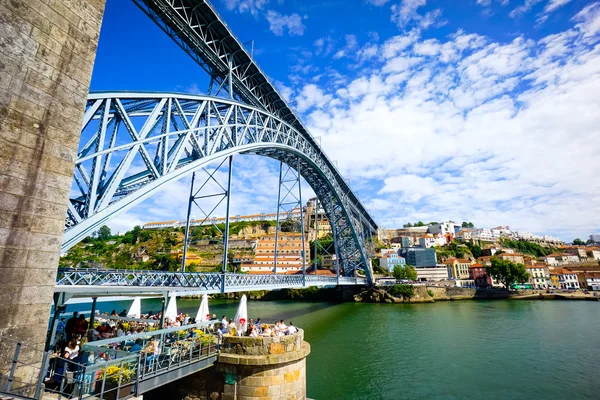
point(207, 343)
point(114, 375)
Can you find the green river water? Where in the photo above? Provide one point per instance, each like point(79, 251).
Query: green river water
point(446, 350)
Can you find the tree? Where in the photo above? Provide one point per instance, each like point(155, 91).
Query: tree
point(465, 224)
point(578, 242)
point(409, 225)
point(398, 273)
point(507, 272)
point(471, 225)
point(104, 233)
point(410, 272)
point(476, 251)
point(590, 241)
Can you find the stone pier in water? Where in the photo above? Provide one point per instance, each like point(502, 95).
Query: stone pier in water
point(272, 368)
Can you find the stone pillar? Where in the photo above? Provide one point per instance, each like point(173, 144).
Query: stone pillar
point(261, 368)
point(272, 368)
point(47, 52)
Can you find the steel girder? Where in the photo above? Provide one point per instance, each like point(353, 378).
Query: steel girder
point(102, 280)
point(197, 28)
point(141, 141)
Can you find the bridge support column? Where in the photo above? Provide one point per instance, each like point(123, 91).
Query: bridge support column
point(47, 51)
point(248, 368)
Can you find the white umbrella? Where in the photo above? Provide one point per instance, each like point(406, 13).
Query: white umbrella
point(203, 315)
point(171, 312)
point(135, 311)
point(241, 317)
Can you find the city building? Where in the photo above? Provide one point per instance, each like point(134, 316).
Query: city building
point(567, 279)
point(579, 251)
point(482, 234)
point(589, 280)
point(514, 257)
point(444, 228)
point(437, 273)
point(539, 276)
point(328, 261)
point(390, 259)
point(480, 276)
point(459, 268)
point(289, 257)
point(464, 234)
point(418, 257)
point(593, 253)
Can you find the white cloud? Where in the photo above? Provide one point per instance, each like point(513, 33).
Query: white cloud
point(554, 4)
point(589, 19)
point(378, 3)
point(473, 129)
point(406, 12)
point(243, 6)
point(311, 96)
point(523, 9)
point(279, 22)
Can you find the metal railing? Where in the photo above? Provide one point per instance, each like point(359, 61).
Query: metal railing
point(21, 373)
point(209, 282)
point(112, 368)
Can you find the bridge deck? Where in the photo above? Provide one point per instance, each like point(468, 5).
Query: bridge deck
point(105, 282)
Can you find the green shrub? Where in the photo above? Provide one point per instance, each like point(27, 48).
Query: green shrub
point(430, 292)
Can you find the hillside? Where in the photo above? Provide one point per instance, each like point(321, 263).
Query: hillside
point(162, 249)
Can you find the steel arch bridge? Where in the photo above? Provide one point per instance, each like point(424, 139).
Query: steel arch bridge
point(170, 135)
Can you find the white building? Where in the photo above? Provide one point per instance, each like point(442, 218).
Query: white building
point(463, 234)
point(539, 276)
point(568, 280)
point(437, 273)
point(444, 228)
point(482, 234)
point(389, 259)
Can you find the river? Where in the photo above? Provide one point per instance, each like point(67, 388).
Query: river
point(447, 350)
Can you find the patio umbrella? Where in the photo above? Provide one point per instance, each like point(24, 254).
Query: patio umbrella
point(171, 312)
point(203, 315)
point(135, 311)
point(241, 317)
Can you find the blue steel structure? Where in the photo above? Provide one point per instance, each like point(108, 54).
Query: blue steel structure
point(139, 142)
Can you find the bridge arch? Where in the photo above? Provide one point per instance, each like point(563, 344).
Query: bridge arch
point(173, 135)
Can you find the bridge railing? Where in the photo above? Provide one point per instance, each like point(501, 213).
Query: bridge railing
point(210, 282)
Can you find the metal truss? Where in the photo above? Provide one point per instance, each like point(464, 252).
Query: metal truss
point(201, 193)
point(139, 142)
point(197, 28)
point(103, 280)
point(318, 246)
point(289, 197)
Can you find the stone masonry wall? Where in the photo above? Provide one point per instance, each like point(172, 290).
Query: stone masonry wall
point(47, 52)
point(264, 368)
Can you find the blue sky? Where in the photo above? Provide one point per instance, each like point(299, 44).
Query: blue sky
point(479, 110)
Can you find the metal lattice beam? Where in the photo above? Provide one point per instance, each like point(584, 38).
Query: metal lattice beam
point(158, 138)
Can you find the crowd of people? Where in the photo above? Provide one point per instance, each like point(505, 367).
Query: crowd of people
point(256, 329)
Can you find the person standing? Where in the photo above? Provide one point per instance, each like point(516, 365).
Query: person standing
point(70, 326)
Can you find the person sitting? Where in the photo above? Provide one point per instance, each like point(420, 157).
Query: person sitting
point(137, 346)
point(282, 326)
point(231, 327)
point(113, 313)
point(123, 313)
point(151, 352)
point(121, 330)
point(267, 332)
point(259, 325)
point(291, 329)
point(72, 349)
point(254, 331)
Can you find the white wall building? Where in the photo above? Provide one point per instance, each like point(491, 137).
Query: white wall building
point(432, 273)
point(443, 228)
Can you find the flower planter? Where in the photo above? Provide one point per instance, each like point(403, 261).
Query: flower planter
point(110, 391)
